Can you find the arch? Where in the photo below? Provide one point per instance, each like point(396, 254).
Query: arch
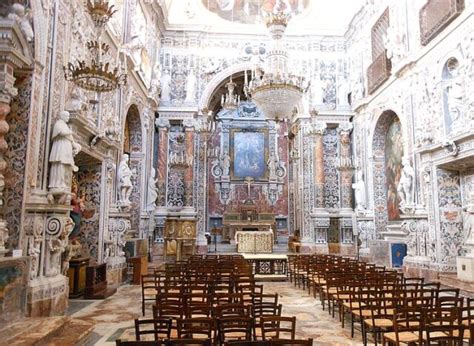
point(133, 136)
point(387, 146)
point(218, 79)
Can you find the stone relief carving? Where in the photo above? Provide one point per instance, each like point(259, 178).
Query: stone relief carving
point(152, 190)
point(454, 96)
point(418, 237)
point(360, 192)
point(19, 14)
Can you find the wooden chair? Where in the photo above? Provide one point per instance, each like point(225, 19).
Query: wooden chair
point(119, 342)
point(234, 328)
point(273, 327)
point(229, 310)
point(451, 335)
point(196, 328)
point(285, 342)
point(188, 342)
point(407, 327)
point(160, 328)
point(149, 289)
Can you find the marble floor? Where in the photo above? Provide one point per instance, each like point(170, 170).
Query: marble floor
point(113, 317)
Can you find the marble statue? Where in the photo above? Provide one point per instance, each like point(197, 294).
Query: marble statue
point(125, 181)
point(191, 87)
point(155, 84)
point(394, 44)
point(455, 94)
point(359, 192)
point(406, 185)
point(134, 49)
point(34, 250)
point(342, 94)
point(225, 164)
point(152, 190)
point(272, 167)
point(55, 248)
point(165, 86)
point(19, 14)
point(61, 158)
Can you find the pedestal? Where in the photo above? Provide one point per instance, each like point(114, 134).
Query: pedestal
point(465, 268)
point(77, 276)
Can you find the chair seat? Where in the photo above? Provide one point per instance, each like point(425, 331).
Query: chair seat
point(354, 305)
point(365, 313)
point(379, 322)
point(343, 296)
point(404, 337)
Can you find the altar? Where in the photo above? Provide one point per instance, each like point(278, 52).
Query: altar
point(254, 241)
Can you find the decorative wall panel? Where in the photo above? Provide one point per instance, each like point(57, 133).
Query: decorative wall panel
point(331, 174)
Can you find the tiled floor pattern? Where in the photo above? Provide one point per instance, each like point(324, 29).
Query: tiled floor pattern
point(114, 316)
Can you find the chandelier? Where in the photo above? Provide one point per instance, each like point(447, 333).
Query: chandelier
point(97, 75)
point(273, 89)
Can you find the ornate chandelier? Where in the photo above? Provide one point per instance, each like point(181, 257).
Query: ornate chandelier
point(275, 90)
point(97, 75)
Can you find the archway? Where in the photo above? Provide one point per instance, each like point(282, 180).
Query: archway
point(388, 149)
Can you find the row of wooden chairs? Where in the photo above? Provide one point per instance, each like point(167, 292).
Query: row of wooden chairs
point(394, 309)
point(208, 342)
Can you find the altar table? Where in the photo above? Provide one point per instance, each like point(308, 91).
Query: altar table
point(254, 241)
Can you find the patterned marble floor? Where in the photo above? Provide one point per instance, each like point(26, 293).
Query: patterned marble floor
point(114, 316)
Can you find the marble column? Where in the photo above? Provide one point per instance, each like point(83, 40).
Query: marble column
point(163, 125)
point(189, 154)
point(318, 129)
point(345, 164)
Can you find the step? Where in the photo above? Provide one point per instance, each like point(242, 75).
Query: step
point(50, 331)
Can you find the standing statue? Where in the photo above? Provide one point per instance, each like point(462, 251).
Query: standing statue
point(155, 84)
point(63, 150)
point(55, 248)
point(166, 86)
point(152, 190)
point(359, 192)
point(18, 13)
point(406, 185)
point(34, 251)
point(225, 164)
point(125, 181)
point(272, 167)
point(191, 87)
point(455, 93)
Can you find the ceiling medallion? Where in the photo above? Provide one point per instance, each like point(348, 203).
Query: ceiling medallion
point(98, 74)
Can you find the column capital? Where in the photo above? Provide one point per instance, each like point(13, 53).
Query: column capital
point(189, 124)
point(318, 127)
point(345, 128)
point(162, 123)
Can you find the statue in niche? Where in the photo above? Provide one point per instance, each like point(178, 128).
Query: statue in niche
point(359, 192)
point(125, 181)
point(78, 208)
point(19, 14)
point(165, 86)
point(191, 87)
point(152, 190)
point(406, 186)
point(342, 94)
point(394, 44)
point(61, 158)
point(225, 164)
point(134, 49)
point(455, 93)
point(55, 248)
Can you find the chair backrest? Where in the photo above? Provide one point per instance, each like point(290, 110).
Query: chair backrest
point(119, 342)
point(278, 327)
point(266, 309)
point(159, 327)
point(226, 310)
point(188, 342)
point(194, 328)
point(288, 342)
point(234, 328)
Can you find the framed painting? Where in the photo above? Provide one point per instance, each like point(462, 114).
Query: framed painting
point(249, 154)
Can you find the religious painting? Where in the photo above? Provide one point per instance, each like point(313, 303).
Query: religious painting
point(251, 11)
point(393, 167)
point(248, 153)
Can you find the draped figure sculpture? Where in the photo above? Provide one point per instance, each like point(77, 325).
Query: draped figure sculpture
point(61, 158)
point(125, 181)
point(406, 186)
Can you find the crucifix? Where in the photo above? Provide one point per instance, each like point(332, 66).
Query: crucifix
point(248, 181)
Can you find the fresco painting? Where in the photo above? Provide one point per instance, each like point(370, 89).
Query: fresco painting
point(393, 167)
